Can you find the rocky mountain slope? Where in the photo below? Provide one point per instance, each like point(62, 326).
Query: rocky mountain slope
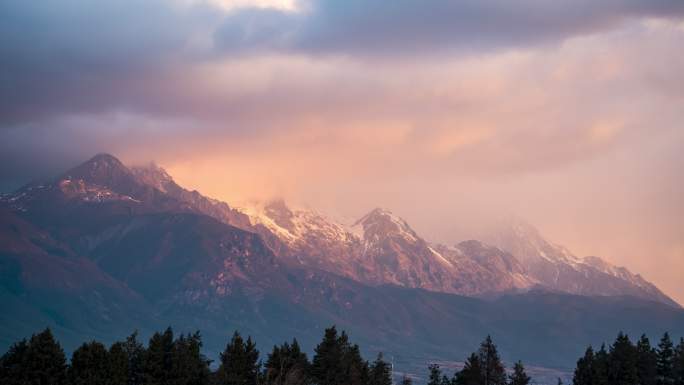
point(103, 249)
point(379, 248)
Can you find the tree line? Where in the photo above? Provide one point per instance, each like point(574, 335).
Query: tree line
point(178, 360)
point(627, 363)
point(483, 367)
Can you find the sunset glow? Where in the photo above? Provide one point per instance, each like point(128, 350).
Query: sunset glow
point(567, 116)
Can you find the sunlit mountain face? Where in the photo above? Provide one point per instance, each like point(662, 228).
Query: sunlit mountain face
point(102, 249)
point(421, 175)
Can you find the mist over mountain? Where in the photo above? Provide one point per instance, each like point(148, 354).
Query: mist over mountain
point(103, 249)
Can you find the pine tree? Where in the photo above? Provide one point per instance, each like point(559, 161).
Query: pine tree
point(118, 364)
point(493, 370)
point(356, 370)
point(622, 365)
point(647, 362)
point(679, 363)
point(239, 362)
point(188, 364)
point(44, 362)
point(286, 365)
point(665, 363)
point(89, 365)
point(136, 354)
point(337, 362)
point(435, 377)
point(600, 367)
point(325, 366)
point(472, 373)
point(519, 377)
point(380, 372)
point(13, 364)
point(157, 363)
point(584, 371)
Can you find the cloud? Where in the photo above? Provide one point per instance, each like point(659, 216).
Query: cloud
point(79, 56)
point(567, 112)
point(404, 27)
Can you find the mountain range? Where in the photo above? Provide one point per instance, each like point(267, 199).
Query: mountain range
point(104, 249)
point(381, 248)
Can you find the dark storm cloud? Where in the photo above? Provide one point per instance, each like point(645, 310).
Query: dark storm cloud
point(375, 27)
point(74, 56)
point(64, 58)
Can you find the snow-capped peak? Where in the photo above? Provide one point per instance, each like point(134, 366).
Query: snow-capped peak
point(380, 223)
point(294, 224)
point(101, 169)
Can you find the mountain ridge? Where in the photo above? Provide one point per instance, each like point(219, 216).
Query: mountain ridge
point(141, 257)
point(378, 248)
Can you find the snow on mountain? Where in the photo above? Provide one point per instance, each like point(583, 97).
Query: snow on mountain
point(95, 181)
point(555, 267)
point(144, 252)
point(379, 248)
point(380, 223)
point(296, 225)
point(382, 248)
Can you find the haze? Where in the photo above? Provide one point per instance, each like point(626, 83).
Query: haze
point(450, 114)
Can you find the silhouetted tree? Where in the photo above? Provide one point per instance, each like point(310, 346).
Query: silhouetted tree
point(39, 361)
point(157, 363)
point(584, 371)
point(600, 367)
point(89, 365)
point(355, 368)
point(337, 362)
point(665, 363)
point(679, 363)
point(188, 364)
point(647, 362)
point(622, 365)
point(45, 362)
point(13, 364)
point(406, 380)
point(118, 364)
point(435, 377)
point(519, 377)
point(286, 365)
point(493, 371)
point(239, 362)
point(380, 372)
point(472, 373)
point(136, 354)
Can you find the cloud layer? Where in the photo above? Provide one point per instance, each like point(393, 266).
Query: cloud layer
point(568, 113)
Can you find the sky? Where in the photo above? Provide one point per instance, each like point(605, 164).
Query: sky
point(449, 113)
